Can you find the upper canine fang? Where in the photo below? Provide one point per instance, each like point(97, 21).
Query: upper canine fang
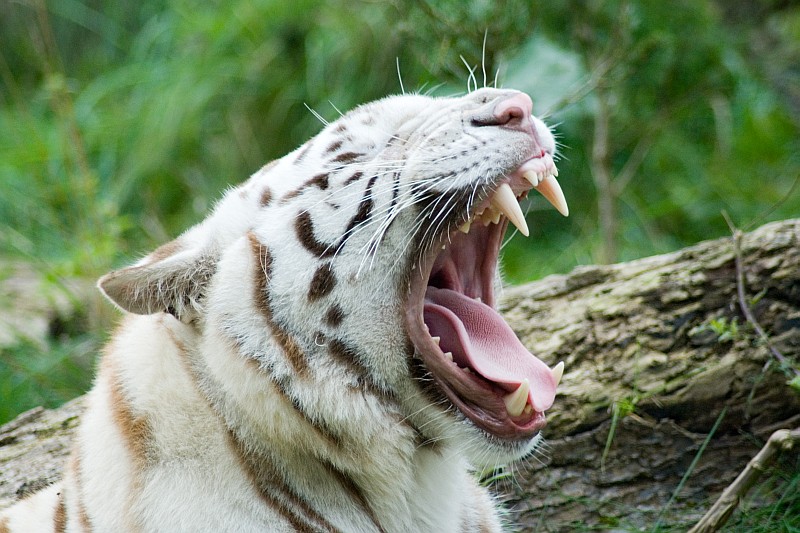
point(551, 190)
point(505, 201)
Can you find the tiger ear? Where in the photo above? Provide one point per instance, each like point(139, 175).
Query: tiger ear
point(171, 279)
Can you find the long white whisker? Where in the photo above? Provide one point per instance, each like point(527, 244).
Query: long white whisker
point(336, 108)
point(399, 76)
point(314, 112)
point(471, 77)
point(483, 56)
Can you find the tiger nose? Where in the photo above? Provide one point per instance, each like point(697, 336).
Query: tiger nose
point(514, 112)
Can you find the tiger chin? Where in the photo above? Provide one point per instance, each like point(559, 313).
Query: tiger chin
point(323, 352)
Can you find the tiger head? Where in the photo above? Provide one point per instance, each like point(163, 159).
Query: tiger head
point(360, 272)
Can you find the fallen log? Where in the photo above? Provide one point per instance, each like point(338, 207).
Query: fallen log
point(658, 352)
point(663, 343)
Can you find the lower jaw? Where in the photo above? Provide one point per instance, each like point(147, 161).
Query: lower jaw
point(491, 416)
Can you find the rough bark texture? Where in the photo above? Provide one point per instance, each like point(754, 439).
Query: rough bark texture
point(653, 336)
point(643, 334)
point(33, 449)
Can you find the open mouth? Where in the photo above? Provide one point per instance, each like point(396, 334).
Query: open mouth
point(474, 357)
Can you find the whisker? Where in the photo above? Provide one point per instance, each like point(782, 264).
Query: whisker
point(483, 56)
point(399, 76)
point(314, 112)
point(471, 77)
point(336, 108)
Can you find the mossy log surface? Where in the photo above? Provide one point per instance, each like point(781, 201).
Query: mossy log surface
point(665, 340)
point(662, 338)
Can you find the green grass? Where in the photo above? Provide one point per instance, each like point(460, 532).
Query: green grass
point(781, 485)
point(49, 375)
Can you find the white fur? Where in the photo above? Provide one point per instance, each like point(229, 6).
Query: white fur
point(214, 369)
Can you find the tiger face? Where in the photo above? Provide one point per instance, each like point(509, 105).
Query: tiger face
point(359, 275)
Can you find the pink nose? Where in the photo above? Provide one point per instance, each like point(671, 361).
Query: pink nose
point(514, 111)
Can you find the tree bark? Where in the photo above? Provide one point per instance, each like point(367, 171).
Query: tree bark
point(662, 338)
point(656, 335)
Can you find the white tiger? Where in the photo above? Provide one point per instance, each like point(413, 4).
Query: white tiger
point(322, 353)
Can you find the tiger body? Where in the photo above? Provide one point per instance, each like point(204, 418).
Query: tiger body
point(277, 368)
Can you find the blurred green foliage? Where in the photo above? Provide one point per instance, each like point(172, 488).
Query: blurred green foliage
point(121, 124)
point(29, 380)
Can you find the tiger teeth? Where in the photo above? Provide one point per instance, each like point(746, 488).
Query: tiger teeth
point(436, 340)
point(532, 177)
point(505, 201)
point(517, 400)
point(548, 186)
point(557, 371)
point(490, 216)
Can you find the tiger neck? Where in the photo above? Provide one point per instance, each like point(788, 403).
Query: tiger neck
point(357, 452)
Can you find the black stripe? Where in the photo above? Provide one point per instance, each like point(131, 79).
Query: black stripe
point(334, 146)
point(266, 479)
point(353, 178)
point(266, 197)
point(347, 357)
point(395, 191)
point(346, 157)
point(334, 316)
point(423, 442)
point(319, 181)
point(304, 228)
point(322, 283)
point(364, 207)
point(304, 225)
point(395, 195)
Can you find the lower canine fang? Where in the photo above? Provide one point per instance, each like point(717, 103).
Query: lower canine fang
point(517, 400)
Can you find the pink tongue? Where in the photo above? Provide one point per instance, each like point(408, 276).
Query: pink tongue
point(481, 339)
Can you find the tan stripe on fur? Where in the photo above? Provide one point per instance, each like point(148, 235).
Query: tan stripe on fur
point(60, 517)
point(355, 492)
point(74, 466)
point(262, 479)
point(135, 430)
point(251, 363)
point(274, 490)
point(293, 353)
